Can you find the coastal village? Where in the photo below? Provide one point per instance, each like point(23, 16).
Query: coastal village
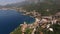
point(45, 12)
point(41, 22)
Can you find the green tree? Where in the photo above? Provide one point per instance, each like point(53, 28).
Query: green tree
point(28, 31)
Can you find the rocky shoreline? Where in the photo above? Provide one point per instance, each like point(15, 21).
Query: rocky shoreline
point(40, 21)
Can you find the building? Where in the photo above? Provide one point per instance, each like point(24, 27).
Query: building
point(57, 15)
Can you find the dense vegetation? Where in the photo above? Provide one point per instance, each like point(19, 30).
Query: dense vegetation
point(42, 8)
point(56, 30)
point(17, 31)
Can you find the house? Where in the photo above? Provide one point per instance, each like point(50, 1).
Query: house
point(57, 15)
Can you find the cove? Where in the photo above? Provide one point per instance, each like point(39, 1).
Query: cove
point(11, 19)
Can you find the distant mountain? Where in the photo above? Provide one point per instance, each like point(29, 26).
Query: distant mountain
point(24, 3)
point(19, 4)
point(1, 6)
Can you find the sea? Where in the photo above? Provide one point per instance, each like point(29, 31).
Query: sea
point(11, 19)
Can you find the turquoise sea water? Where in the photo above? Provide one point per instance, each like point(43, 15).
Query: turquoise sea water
point(10, 19)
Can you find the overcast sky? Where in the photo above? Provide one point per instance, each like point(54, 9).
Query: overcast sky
point(4, 2)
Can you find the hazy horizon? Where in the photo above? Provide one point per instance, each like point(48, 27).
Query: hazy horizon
point(4, 2)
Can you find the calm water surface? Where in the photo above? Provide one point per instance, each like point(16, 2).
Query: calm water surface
point(10, 19)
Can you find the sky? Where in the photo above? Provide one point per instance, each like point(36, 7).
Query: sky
point(4, 2)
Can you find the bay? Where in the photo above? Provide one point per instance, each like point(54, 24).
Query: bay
point(11, 19)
